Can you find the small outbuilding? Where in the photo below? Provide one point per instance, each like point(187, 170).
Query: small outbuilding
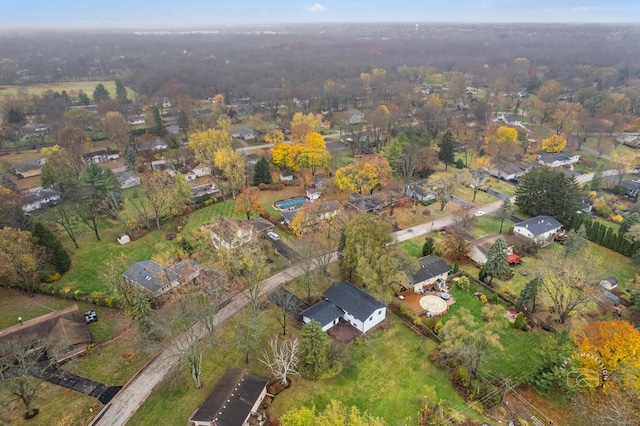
point(124, 239)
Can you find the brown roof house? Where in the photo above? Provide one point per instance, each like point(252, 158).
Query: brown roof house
point(28, 168)
point(64, 330)
point(233, 402)
point(155, 280)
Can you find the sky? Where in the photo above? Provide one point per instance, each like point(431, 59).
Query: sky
point(208, 14)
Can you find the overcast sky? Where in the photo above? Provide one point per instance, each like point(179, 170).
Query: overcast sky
point(204, 14)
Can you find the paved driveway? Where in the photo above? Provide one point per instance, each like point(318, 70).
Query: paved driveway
point(283, 249)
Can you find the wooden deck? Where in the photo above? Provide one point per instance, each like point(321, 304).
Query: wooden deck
point(412, 300)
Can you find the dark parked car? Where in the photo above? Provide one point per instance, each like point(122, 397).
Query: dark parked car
point(90, 316)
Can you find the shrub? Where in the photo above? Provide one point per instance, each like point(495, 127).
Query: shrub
point(483, 299)
point(462, 376)
point(170, 236)
point(520, 322)
point(459, 163)
point(455, 268)
point(617, 218)
point(482, 275)
point(426, 212)
point(51, 277)
point(464, 283)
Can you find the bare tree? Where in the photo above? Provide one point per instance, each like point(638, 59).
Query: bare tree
point(286, 304)
point(283, 358)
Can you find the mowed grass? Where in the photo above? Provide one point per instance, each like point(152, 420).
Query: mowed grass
point(71, 87)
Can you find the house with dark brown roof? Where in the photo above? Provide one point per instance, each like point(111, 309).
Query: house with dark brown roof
point(65, 332)
point(235, 399)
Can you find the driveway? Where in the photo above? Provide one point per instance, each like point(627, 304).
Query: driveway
point(283, 249)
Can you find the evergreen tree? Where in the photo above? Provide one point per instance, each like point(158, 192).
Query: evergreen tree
point(446, 154)
point(576, 242)
point(593, 233)
point(58, 256)
point(101, 94)
point(183, 122)
point(607, 238)
point(601, 233)
point(314, 346)
point(551, 368)
point(159, 129)
point(262, 172)
point(121, 93)
point(497, 264)
point(529, 294)
point(545, 191)
point(428, 247)
point(130, 156)
point(83, 98)
point(520, 322)
point(630, 220)
point(618, 243)
point(635, 259)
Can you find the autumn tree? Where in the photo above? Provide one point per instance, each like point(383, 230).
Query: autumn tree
point(116, 129)
point(22, 258)
point(232, 167)
point(477, 173)
point(445, 154)
point(57, 172)
point(411, 154)
point(304, 124)
point(163, 193)
point(623, 164)
point(248, 202)
point(274, 137)
point(246, 265)
point(497, 264)
point(569, 283)
point(468, 341)
point(75, 142)
point(281, 155)
point(11, 212)
point(502, 145)
point(444, 186)
point(554, 144)
point(370, 173)
point(335, 414)
point(456, 246)
point(616, 344)
point(434, 115)
point(205, 144)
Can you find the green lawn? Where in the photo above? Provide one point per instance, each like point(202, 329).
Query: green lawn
point(71, 87)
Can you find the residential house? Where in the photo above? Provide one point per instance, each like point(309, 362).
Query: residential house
point(632, 187)
point(41, 198)
point(432, 274)
point(201, 170)
point(252, 159)
point(318, 183)
point(420, 191)
point(202, 190)
point(240, 109)
point(154, 145)
point(539, 229)
point(260, 226)
point(561, 159)
point(346, 302)
point(511, 171)
point(28, 168)
point(96, 157)
point(320, 211)
point(609, 283)
point(353, 116)
point(155, 280)
point(127, 180)
point(190, 176)
point(286, 176)
point(65, 329)
point(313, 194)
point(136, 120)
point(479, 248)
point(373, 202)
point(629, 139)
point(510, 119)
point(174, 129)
point(586, 205)
point(247, 134)
point(228, 233)
point(235, 399)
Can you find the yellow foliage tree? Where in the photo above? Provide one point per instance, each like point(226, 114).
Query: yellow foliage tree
point(369, 173)
point(232, 166)
point(274, 136)
point(206, 143)
point(302, 125)
point(554, 144)
point(315, 140)
point(614, 346)
point(281, 154)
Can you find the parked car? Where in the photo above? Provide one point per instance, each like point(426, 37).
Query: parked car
point(273, 236)
point(479, 213)
point(90, 316)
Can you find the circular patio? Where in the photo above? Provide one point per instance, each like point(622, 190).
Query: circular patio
point(434, 305)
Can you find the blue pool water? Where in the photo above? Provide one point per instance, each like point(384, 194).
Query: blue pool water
point(289, 204)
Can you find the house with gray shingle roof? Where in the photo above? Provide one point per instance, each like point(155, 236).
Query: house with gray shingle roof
point(155, 280)
point(539, 229)
point(344, 301)
point(432, 273)
point(28, 168)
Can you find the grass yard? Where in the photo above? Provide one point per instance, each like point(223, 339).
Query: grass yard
point(72, 88)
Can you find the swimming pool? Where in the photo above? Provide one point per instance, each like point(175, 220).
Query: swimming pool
point(290, 204)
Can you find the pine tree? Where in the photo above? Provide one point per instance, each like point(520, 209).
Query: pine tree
point(528, 295)
point(630, 220)
point(130, 156)
point(601, 233)
point(497, 264)
point(262, 172)
point(428, 247)
point(121, 93)
point(593, 235)
point(101, 94)
point(313, 351)
point(446, 154)
point(159, 129)
point(520, 323)
point(83, 98)
point(607, 237)
point(58, 256)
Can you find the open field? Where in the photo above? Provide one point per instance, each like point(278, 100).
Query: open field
point(72, 88)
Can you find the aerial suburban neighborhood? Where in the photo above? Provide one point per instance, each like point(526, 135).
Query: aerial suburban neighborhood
point(371, 224)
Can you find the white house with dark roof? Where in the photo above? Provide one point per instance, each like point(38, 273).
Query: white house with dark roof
point(346, 302)
point(432, 273)
point(127, 180)
point(558, 160)
point(235, 399)
point(38, 199)
point(96, 157)
point(420, 191)
point(511, 171)
point(539, 229)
